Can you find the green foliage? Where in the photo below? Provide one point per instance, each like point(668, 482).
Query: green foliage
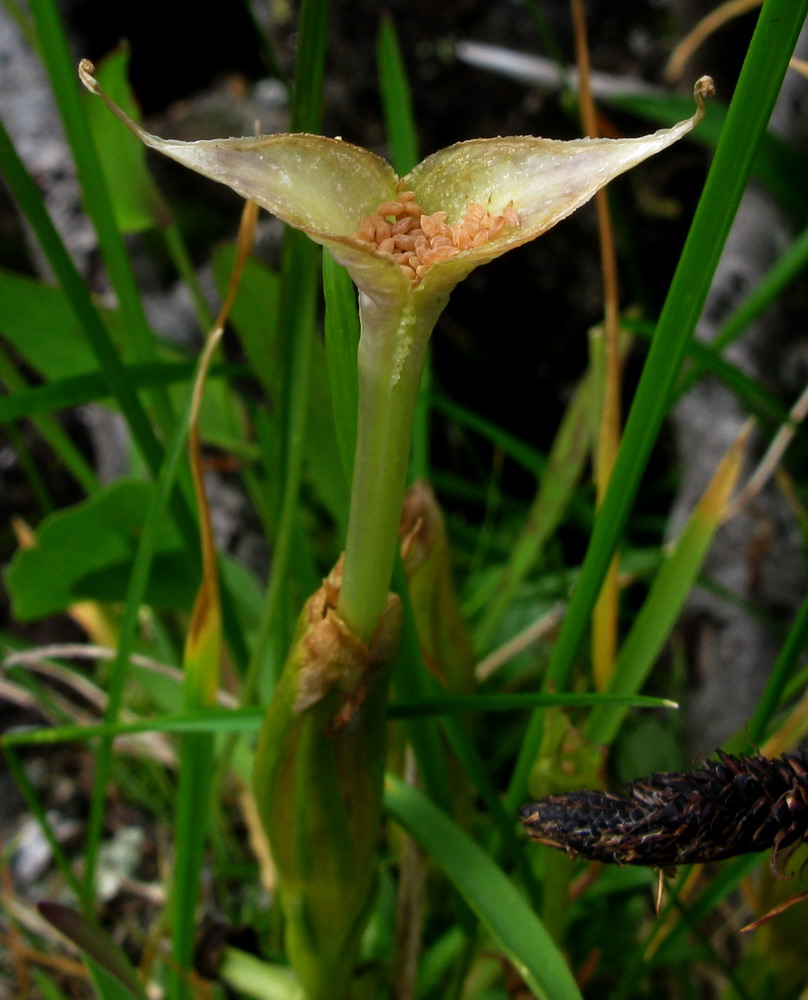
point(85, 553)
point(135, 199)
point(112, 972)
point(492, 896)
point(123, 559)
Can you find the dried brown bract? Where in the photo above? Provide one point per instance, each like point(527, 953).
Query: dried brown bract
point(729, 806)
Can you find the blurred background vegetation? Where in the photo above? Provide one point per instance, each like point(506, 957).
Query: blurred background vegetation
point(111, 270)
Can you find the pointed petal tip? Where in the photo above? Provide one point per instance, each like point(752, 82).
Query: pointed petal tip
point(703, 90)
point(86, 71)
point(87, 77)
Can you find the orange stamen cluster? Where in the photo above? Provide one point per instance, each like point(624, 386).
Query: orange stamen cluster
point(416, 241)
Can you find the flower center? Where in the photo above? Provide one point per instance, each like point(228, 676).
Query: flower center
point(416, 241)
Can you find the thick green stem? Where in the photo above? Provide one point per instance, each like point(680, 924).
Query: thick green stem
point(392, 350)
point(384, 435)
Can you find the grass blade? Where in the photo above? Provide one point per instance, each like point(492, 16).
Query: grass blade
point(489, 893)
point(341, 341)
point(402, 135)
point(667, 596)
point(64, 82)
point(759, 83)
point(98, 946)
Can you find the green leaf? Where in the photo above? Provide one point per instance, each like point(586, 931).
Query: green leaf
point(253, 978)
point(324, 466)
point(42, 326)
point(86, 553)
point(487, 890)
point(511, 446)
point(80, 389)
point(667, 596)
point(775, 35)
point(341, 343)
point(248, 720)
point(46, 986)
point(106, 986)
point(110, 968)
point(402, 134)
point(557, 485)
point(254, 313)
point(60, 65)
point(136, 202)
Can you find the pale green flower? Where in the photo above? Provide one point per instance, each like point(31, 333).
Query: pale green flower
point(484, 196)
point(406, 242)
point(325, 187)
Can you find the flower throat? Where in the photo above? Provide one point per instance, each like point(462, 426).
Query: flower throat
point(416, 241)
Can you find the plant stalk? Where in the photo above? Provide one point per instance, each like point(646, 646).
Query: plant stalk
point(390, 362)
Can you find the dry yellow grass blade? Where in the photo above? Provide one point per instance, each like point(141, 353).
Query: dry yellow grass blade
point(707, 26)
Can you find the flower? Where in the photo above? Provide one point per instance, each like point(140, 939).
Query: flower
point(406, 242)
point(459, 208)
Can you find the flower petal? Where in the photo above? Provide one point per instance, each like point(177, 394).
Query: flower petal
point(372, 272)
point(322, 186)
point(545, 180)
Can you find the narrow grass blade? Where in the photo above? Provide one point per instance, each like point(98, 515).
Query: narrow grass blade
point(667, 596)
point(138, 580)
point(201, 663)
point(96, 944)
point(786, 269)
point(61, 70)
point(462, 704)
point(29, 199)
point(402, 135)
point(248, 720)
point(759, 83)
point(77, 390)
point(38, 811)
point(136, 202)
point(307, 90)
point(106, 986)
point(511, 446)
point(341, 342)
point(561, 475)
point(756, 399)
point(490, 894)
point(784, 667)
point(297, 310)
point(40, 494)
point(47, 986)
point(412, 681)
point(50, 430)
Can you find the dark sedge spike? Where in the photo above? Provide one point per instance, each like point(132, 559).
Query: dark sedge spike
point(727, 807)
